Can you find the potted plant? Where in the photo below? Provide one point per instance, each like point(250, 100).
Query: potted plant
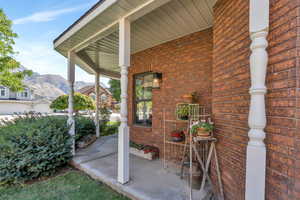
point(202, 129)
point(183, 111)
point(177, 136)
point(144, 151)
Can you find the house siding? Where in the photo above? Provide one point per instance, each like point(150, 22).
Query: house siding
point(186, 65)
point(230, 97)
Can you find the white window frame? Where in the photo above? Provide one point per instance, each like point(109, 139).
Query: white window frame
point(5, 91)
point(21, 95)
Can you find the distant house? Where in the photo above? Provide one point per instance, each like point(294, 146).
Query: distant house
point(21, 102)
point(106, 97)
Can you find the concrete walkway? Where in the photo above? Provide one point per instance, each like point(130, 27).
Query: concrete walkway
point(149, 181)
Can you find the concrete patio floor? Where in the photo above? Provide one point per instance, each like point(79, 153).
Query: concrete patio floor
point(148, 179)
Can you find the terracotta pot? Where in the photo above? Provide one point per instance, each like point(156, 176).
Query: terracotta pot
point(188, 98)
point(202, 133)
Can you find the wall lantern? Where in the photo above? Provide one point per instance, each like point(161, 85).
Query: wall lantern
point(157, 78)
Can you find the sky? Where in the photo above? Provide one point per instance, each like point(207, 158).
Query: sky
point(38, 23)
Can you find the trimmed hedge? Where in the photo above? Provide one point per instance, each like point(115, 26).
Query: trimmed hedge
point(33, 146)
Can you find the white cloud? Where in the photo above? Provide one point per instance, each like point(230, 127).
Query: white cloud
point(46, 16)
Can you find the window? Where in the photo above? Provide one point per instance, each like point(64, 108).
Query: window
point(103, 98)
point(93, 96)
point(143, 99)
point(25, 93)
point(2, 91)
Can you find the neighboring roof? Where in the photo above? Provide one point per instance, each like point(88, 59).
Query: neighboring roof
point(89, 88)
point(78, 20)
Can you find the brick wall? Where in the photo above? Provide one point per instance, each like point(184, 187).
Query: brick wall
point(297, 136)
point(230, 98)
point(186, 65)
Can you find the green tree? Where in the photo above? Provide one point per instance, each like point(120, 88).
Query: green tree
point(81, 102)
point(10, 76)
point(115, 89)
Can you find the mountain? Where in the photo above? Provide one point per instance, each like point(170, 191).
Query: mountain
point(50, 85)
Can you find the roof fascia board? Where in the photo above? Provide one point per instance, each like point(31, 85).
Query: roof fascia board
point(88, 63)
point(105, 5)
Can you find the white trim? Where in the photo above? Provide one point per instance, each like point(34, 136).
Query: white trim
point(259, 15)
point(105, 5)
point(71, 80)
point(256, 149)
point(19, 94)
point(84, 61)
point(97, 113)
point(6, 92)
point(123, 141)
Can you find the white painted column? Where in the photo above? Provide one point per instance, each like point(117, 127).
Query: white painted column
point(97, 113)
point(71, 80)
point(124, 63)
point(256, 149)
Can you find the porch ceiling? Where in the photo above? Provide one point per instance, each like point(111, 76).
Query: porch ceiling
point(171, 20)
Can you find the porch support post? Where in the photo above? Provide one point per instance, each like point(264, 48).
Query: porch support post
point(97, 113)
point(256, 150)
point(124, 63)
point(71, 80)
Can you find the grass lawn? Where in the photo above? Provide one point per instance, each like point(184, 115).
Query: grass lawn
point(72, 185)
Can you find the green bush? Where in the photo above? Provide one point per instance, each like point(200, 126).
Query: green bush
point(81, 102)
point(84, 126)
point(33, 146)
point(36, 145)
point(109, 128)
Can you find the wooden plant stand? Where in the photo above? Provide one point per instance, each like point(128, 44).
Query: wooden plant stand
point(191, 147)
point(204, 162)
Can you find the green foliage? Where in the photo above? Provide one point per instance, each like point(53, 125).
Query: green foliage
point(183, 111)
point(136, 145)
point(33, 146)
point(81, 102)
point(115, 89)
point(84, 126)
point(105, 113)
point(206, 126)
point(109, 128)
point(9, 74)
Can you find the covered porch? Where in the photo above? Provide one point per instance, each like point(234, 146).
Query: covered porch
point(100, 161)
point(112, 34)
